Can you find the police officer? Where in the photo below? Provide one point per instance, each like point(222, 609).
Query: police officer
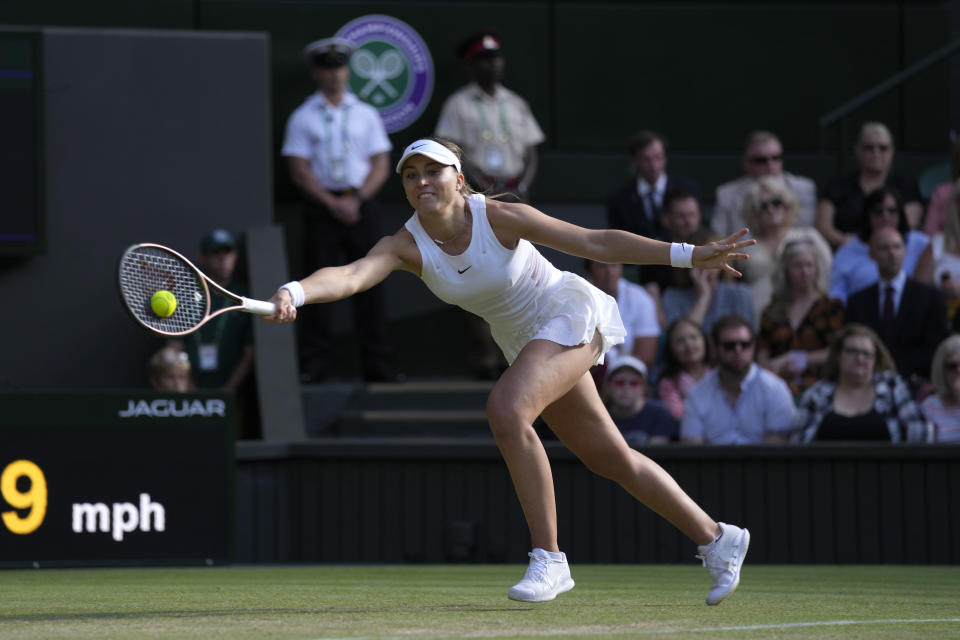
point(337, 154)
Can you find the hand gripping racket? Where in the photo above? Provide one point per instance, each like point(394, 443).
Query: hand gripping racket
point(147, 268)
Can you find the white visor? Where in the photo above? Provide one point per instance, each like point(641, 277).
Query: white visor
point(431, 149)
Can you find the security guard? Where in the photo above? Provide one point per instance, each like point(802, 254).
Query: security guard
point(492, 124)
point(337, 152)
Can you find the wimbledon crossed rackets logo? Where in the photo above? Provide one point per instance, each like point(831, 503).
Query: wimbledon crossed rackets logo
point(391, 68)
point(377, 71)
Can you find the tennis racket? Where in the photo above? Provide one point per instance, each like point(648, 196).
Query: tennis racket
point(147, 268)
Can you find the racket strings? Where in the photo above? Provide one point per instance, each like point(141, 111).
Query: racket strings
point(146, 270)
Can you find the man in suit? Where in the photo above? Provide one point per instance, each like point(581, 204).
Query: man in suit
point(636, 206)
point(909, 316)
point(762, 156)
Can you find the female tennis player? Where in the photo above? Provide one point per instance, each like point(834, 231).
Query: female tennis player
point(552, 326)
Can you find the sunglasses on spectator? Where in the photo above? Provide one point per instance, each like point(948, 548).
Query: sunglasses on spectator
point(776, 203)
point(730, 345)
point(765, 159)
point(875, 147)
point(624, 383)
point(952, 367)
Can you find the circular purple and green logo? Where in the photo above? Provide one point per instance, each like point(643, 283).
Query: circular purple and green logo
point(391, 68)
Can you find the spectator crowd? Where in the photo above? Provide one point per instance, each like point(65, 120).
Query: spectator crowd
point(843, 326)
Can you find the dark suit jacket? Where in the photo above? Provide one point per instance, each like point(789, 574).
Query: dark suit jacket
point(625, 209)
point(920, 324)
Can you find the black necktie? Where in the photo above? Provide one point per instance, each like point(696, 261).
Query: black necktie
point(887, 318)
point(652, 210)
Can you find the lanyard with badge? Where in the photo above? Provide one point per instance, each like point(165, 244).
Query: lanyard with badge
point(494, 147)
point(337, 162)
point(207, 350)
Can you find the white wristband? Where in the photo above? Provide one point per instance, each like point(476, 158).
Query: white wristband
point(681, 255)
point(296, 293)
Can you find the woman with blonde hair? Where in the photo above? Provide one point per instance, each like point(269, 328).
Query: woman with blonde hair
point(861, 396)
point(943, 407)
point(552, 326)
point(798, 325)
point(939, 264)
point(770, 211)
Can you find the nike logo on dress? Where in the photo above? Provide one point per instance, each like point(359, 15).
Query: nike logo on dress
point(462, 271)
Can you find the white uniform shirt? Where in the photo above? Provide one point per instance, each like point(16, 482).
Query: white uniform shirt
point(337, 140)
point(639, 314)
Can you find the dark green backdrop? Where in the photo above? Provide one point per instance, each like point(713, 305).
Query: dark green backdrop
point(703, 73)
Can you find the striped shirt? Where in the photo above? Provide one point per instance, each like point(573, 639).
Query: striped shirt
point(946, 420)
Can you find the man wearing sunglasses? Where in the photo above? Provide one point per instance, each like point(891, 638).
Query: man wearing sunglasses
point(738, 402)
point(762, 156)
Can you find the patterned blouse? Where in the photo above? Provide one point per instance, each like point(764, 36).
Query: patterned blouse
point(815, 331)
point(893, 401)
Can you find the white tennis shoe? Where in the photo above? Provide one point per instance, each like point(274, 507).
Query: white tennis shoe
point(724, 558)
point(545, 579)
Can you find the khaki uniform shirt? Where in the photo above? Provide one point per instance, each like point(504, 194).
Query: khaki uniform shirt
point(494, 131)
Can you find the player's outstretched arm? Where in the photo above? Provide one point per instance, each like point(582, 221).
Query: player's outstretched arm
point(336, 283)
point(610, 245)
point(720, 254)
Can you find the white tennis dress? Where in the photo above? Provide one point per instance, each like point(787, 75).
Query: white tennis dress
point(517, 291)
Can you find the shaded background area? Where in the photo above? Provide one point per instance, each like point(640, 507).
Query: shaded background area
point(163, 118)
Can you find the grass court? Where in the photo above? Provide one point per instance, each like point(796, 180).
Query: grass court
point(469, 601)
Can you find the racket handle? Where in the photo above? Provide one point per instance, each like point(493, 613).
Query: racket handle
point(259, 307)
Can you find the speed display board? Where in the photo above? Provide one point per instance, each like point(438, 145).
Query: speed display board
point(114, 486)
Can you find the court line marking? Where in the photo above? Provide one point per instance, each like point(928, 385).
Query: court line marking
point(817, 623)
point(642, 631)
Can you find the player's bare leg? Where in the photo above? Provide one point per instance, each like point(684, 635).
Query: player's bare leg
point(583, 424)
point(542, 372)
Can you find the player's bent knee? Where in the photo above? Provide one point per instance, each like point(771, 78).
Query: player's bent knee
point(505, 417)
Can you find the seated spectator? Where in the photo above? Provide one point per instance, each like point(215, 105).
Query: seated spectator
point(943, 407)
point(770, 211)
point(640, 420)
point(842, 201)
point(939, 264)
point(169, 370)
point(853, 269)
point(685, 362)
point(909, 317)
point(799, 323)
point(860, 397)
point(739, 402)
point(762, 156)
point(702, 296)
point(936, 218)
point(637, 310)
point(636, 205)
point(681, 219)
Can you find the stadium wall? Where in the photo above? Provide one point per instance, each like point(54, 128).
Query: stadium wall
point(593, 72)
point(418, 500)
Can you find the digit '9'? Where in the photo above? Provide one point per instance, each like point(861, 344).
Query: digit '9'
point(34, 499)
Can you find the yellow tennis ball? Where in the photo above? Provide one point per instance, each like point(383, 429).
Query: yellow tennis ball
point(163, 303)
